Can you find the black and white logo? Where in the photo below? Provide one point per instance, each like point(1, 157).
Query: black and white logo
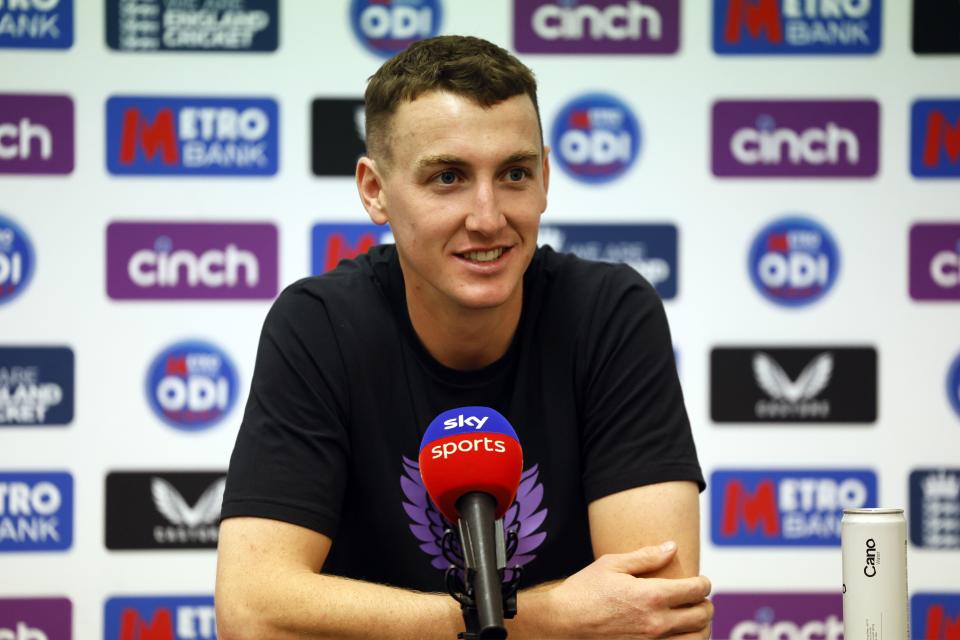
point(936, 26)
point(164, 510)
point(808, 384)
point(338, 135)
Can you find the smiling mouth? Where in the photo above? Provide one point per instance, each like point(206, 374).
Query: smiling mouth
point(483, 256)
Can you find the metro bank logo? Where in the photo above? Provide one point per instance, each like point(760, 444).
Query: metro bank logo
point(36, 511)
point(935, 616)
point(763, 27)
point(786, 507)
point(935, 139)
point(36, 24)
point(160, 618)
point(335, 242)
point(192, 136)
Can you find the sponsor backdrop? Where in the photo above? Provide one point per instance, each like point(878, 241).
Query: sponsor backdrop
point(786, 173)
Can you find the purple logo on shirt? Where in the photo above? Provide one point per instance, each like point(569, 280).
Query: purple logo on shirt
point(935, 262)
point(35, 618)
point(798, 138)
point(36, 133)
point(778, 615)
point(191, 261)
point(596, 26)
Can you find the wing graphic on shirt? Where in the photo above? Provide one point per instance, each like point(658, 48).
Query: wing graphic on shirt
point(428, 525)
point(774, 381)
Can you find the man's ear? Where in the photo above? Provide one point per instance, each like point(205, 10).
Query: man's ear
point(370, 186)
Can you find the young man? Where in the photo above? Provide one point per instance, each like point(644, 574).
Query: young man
point(326, 530)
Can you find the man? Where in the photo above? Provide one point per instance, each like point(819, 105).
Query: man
point(326, 531)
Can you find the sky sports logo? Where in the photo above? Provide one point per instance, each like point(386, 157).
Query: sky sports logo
point(17, 260)
point(793, 261)
point(192, 136)
point(160, 618)
point(651, 249)
point(795, 138)
point(935, 139)
point(780, 616)
point(36, 134)
point(191, 261)
point(595, 138)
point(596, 26)
point(792, 27)
point(935, 261)
point(36, 619)
point(387, 27)
point(36, 511)
point(335, 242)
point(192, 25)
point(36, 24)
point(36, 386)
point(786, 507)
point(192, 385)
point(935, 616)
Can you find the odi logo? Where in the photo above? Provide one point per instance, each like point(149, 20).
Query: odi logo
point(335, 242)
point(36, 511)
point(596, 138)
point(387, 27)
point(160, 618)
point(192, 385)
point(192, 136)
point(935, 616)
point(953, 384)
point(778, 616)
point(764, 27)
point(793, 261)
point(36, 24)
point(935, 139)
point(786, 507)
point(17, 260)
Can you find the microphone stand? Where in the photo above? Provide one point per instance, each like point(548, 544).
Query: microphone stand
point(484, 600)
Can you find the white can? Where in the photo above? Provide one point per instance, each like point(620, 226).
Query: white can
point(873, 544)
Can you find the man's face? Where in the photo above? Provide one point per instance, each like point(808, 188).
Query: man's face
point(463, 194)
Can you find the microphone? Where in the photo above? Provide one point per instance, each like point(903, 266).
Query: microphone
point(471, 463)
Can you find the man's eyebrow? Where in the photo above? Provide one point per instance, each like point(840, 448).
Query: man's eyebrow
point(449, 160)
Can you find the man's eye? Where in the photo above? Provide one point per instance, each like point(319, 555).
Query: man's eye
point(517, 174)
point(447, 177)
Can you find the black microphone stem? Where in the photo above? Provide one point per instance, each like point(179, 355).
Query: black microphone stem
point(477, 513)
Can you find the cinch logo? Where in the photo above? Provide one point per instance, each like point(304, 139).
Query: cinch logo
point(192, 136)
point(778, 616)
point(36, 134)
point(651, 249)
point(16, 260)
point(160, 618)
point(786, 508)
point(596, 26)
point(335, 242)
point(796, 27)
point(935, 261)
point(387, 27)
point(596, 138)
point(935, 508)
point(35, 618)
point(36, 386)
point(953, 384)
point(192, 385)
point(793, 261)
point(36, 24)
point(147, 25)
point(178, 261)
point(935, 616)
point(935, 139)
point(36, 511)
point(798, 138)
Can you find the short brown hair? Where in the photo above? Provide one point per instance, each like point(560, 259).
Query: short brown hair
point(462, 65)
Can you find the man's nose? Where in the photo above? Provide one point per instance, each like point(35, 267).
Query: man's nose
point(485, 217)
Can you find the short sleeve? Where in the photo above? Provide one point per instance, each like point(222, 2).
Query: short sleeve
point(289, 462)
point(636, 430)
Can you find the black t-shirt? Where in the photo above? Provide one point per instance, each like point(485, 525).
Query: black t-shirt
point(343, 391)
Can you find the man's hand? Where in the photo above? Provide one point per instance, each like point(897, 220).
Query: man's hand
point(609, 598)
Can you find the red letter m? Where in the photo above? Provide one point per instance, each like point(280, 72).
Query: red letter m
point(940, 133)
point(937, 621)
point(759, 15)
point(339, 249)
point(751, 510)
point(159, 136)
point(133, 627)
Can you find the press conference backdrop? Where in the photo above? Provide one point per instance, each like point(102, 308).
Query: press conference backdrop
point(783, 171)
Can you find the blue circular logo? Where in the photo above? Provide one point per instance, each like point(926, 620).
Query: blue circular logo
point(595, 138)
point(16, 260)
point(387, 27)
point(191, 385)
point(793, 261)
point(953, 384)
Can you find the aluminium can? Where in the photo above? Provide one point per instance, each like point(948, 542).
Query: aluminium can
point(873, 546)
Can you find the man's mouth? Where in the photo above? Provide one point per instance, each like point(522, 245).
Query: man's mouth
point(483, 256)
